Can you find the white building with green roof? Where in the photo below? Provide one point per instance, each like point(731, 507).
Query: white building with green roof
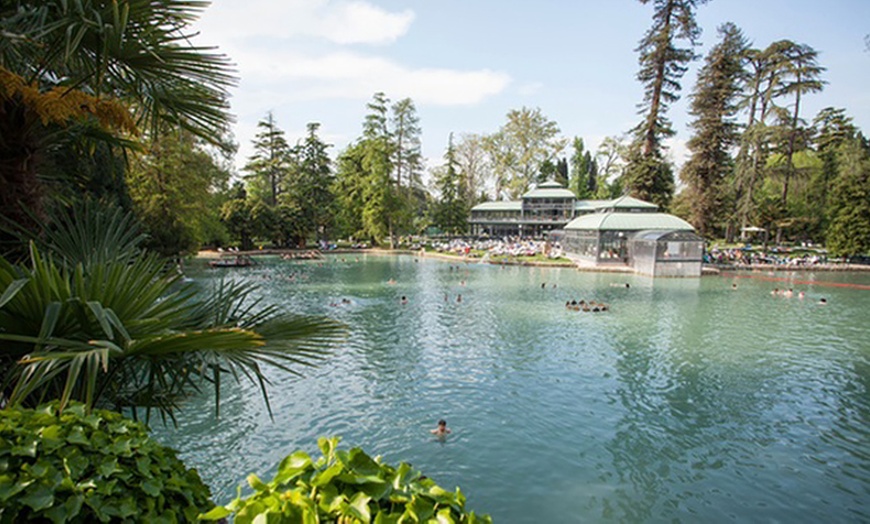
point(547, 207)
point(623, 232)
point(632, 233)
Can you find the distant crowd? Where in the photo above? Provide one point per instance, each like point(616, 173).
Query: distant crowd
point(743, 257)
point(511, 246)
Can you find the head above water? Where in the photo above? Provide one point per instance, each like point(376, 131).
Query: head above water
point(442, 422)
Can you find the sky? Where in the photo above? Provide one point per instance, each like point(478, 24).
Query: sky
point(467, 63)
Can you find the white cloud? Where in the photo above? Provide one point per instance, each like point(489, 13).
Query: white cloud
point(338, 21)
point(351, 75)
point(530, 88)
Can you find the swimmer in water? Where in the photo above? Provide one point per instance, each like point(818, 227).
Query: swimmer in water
point(441, 430)
point(404, 300)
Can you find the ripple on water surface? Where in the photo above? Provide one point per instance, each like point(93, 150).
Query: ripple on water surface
point(686, 401)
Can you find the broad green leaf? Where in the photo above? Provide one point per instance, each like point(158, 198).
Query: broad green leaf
point(216, 513)
point(38, 497)
point(77, 436)
point(444, 516)
point(420, 509)
point(152, 486)
point(10, 488)
point(257, 484)
point(292, 465)
point(358, 507)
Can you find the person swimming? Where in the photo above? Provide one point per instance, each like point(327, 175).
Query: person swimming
point(404, 300)
point(441, 430)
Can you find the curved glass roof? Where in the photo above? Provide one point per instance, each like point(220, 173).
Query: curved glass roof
point(617, 221)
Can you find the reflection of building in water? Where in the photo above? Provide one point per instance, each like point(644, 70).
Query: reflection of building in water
point(632, 233)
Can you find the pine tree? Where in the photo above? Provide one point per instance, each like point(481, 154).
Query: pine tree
point(270, 164)
point(715, 130)
point(312, 184)
point(452, 211)
point(579, 182)
point(406, 131)
point(662, 64)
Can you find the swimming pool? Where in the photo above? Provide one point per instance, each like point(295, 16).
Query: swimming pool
point(687, 400)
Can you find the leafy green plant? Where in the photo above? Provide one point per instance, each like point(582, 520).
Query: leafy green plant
point(75, 466)
point(96, 320)
point(346, 487)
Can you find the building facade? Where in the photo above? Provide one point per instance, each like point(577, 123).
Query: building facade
point(547, 207)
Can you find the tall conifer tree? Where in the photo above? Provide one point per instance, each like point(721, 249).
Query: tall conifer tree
point(714, 106)
point(662, 64)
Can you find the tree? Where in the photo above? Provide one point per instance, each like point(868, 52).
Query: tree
point(662, 64)
point(472, 163)
point(832, 129)
point(452, 209)
point(581, 167)
point(126, 334)
point(269, 167)
point(349, 189)
point(173, 188)
point(714, 106)
point(849, 232)
point(610, 156)
point(520, 147)
point(106, 69)
point(802, 76)
point(311, 187)
point(406, 134)
point(380, 202)
point(237, 216)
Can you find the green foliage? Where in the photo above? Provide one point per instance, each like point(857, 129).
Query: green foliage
point(269, 167)
point(662, 65)
point(175, 188)
point(237, 216)
point(849, 232)
point(346, 487)
point(114, 329)
point(105, 69)
point(311, 187)
point(79, 467)
point(451, 214)
point(582, 181)
point(519, 149)
point(649, 178)
point(715, 130)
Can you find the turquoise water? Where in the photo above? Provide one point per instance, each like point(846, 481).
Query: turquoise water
point(686, 401)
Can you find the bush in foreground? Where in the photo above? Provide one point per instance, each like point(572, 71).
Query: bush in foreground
point(72, 466)
point(346, 487)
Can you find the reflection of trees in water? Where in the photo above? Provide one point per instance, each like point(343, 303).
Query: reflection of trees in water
point(685, 414)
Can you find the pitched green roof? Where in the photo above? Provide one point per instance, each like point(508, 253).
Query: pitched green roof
point(626, 202)
point(617, 221)
point(510, 205)
point(588, 205)
point(550, 189)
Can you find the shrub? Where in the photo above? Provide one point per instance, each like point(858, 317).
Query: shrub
point(346, 487)
point(72, 466)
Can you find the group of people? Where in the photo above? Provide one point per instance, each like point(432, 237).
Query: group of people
point(582, 305)
point(789, 293)
point(511, 246)
point(745, 257)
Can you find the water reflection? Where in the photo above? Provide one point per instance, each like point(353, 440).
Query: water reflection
point(687, 401)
